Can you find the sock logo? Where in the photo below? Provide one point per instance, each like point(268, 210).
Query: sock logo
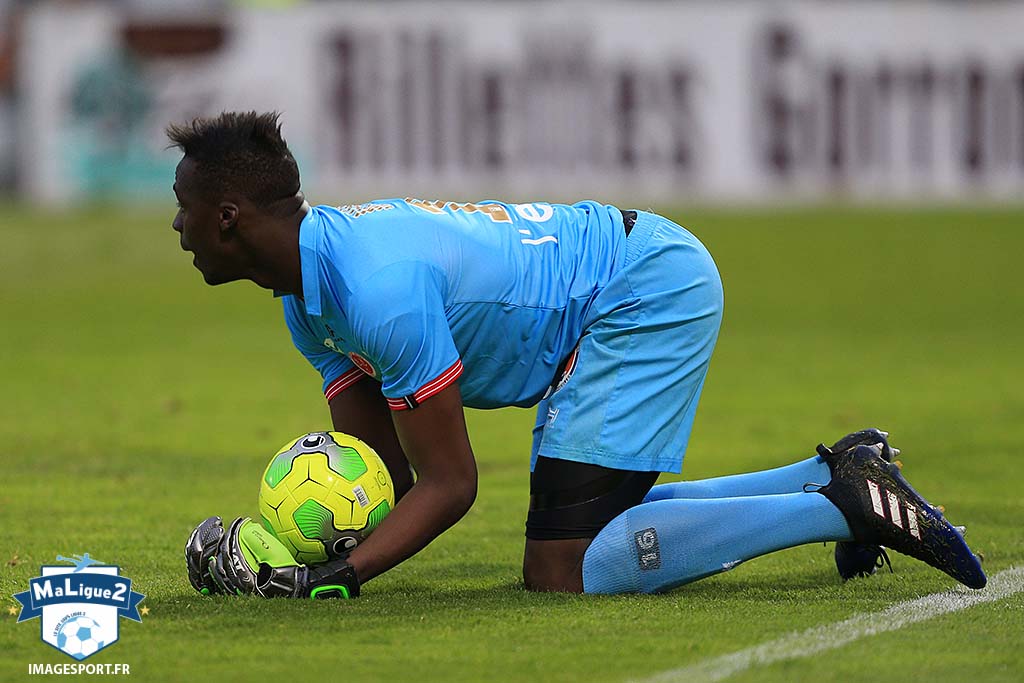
point(648, 553)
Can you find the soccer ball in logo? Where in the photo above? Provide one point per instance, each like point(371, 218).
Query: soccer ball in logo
point(323, 493)
point(80, 637)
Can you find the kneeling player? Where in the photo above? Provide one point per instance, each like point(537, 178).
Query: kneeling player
point(604, 318)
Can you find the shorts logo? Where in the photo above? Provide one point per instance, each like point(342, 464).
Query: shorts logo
point(648, 553)
point(79, 606)
point(363, 364)
point(570, 367)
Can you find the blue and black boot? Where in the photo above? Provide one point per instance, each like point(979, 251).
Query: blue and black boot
point(859, 559)
point(882, 509)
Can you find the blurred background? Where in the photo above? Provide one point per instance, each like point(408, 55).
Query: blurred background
point(855, 168)
point(657, 102)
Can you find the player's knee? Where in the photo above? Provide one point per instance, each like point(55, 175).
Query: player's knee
point(554, 566)
point(547, 579)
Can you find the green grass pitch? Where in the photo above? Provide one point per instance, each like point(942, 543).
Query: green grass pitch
point(136, 401)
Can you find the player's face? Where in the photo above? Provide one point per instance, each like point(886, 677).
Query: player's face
point(201, 222)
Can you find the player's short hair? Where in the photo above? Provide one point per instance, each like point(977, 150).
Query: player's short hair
point(241, 152)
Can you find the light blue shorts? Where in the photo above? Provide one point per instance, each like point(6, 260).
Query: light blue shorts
point(630, 395)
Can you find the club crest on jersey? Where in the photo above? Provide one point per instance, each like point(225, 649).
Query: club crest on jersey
point(363, 364)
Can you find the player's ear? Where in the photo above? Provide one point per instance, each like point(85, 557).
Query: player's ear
point(227, 216)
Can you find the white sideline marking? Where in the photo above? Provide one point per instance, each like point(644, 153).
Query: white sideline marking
point(830, 636)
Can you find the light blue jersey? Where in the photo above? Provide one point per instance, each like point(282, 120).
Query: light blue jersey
point(417, 293)
point(500, 297)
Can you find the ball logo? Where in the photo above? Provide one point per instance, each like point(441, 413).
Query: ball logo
point(343, 546)
point(363, 364)
point(313, 441)
point(79, 606)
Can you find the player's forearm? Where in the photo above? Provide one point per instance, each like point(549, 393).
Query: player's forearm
point(426, 511)
point(433, 437)
point(362, 412)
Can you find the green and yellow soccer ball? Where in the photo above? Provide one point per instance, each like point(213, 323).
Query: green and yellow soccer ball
point(323, 493)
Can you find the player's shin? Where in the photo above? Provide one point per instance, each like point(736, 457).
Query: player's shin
point(659, 545)
point(788, 479)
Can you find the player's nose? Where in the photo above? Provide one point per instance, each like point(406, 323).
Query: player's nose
point(178, 226)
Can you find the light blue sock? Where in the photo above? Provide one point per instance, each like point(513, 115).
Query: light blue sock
point(657, 546)
point(788, 479)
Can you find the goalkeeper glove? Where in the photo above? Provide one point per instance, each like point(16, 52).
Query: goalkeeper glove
point(248, 560)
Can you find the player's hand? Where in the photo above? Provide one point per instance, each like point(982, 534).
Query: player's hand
point(201, 546)
point(865, 437)
point(250, 561)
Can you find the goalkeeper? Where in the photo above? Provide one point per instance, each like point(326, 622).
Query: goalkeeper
point(604, 318)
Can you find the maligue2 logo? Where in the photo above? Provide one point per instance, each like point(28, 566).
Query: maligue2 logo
point(79, 606)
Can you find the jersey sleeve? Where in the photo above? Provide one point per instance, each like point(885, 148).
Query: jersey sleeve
point(337, 370)
point(399, 320)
